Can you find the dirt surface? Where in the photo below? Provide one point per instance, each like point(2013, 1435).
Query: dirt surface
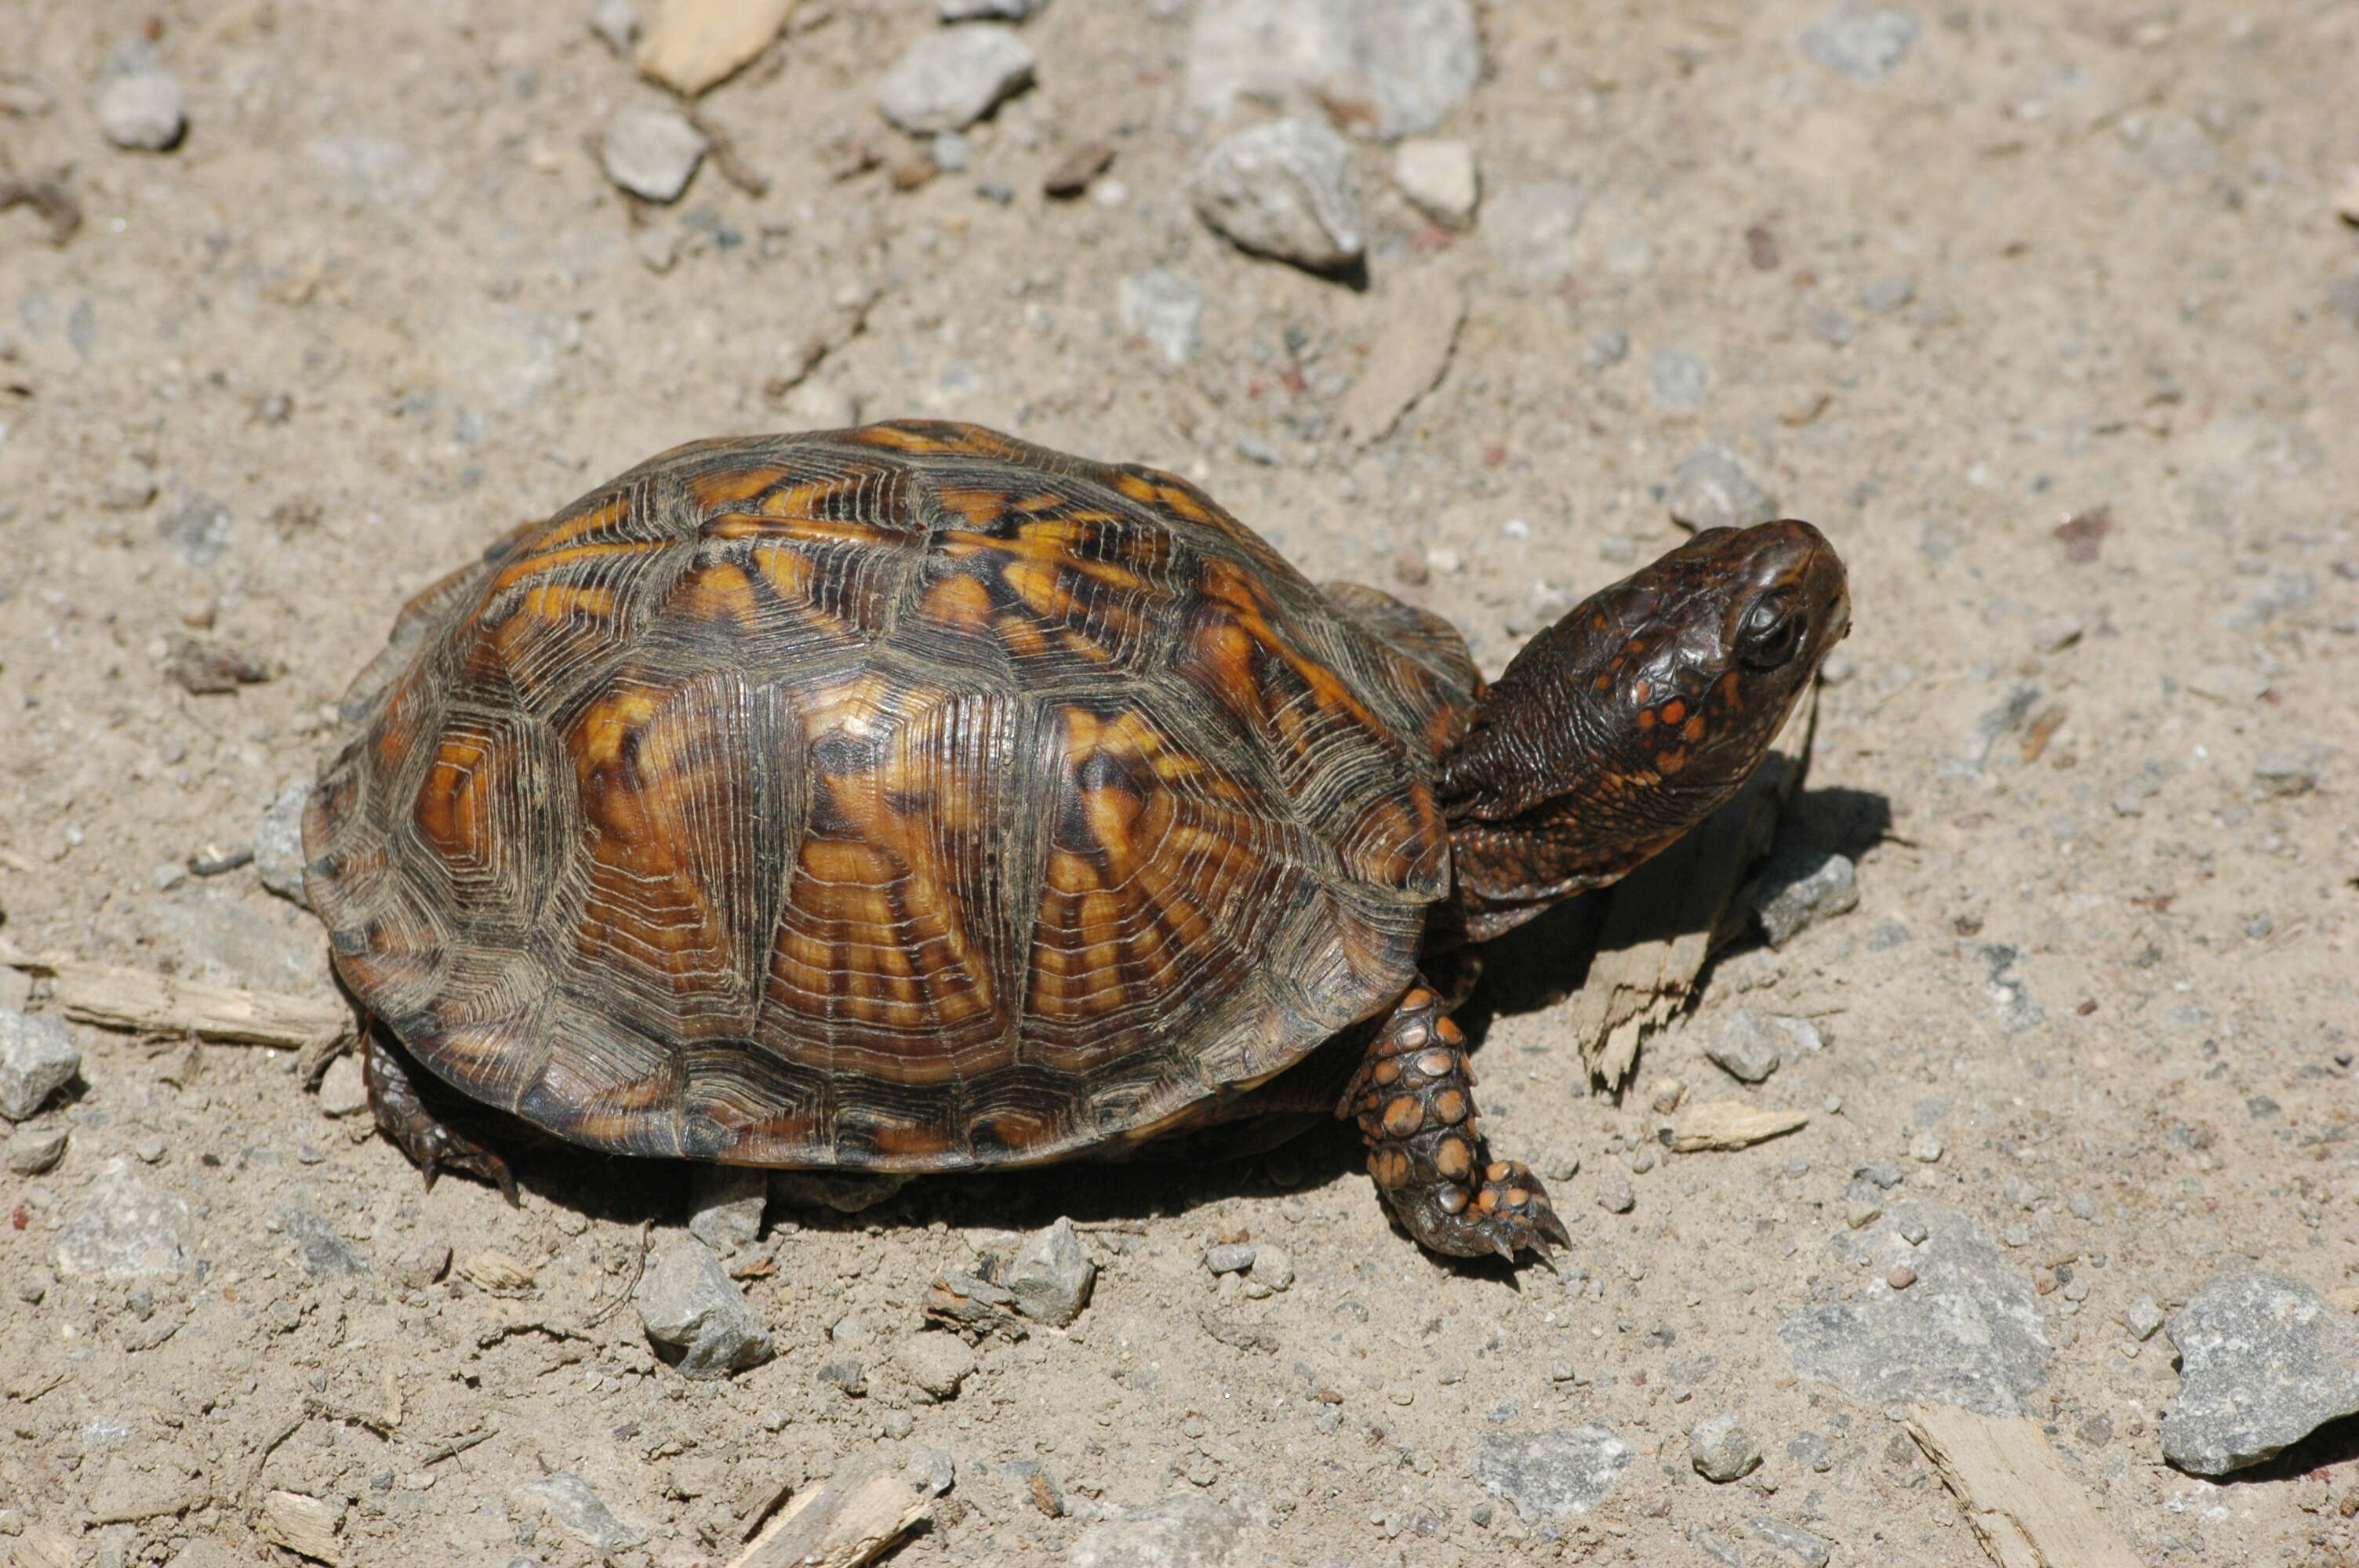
point(382, 305)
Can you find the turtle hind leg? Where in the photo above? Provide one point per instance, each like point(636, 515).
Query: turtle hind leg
point(1412, 1097)
point(412, 1127)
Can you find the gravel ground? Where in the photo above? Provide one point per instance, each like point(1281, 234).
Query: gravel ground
point(2045, 314)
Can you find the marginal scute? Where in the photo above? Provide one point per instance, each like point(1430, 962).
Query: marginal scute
point(909, 798)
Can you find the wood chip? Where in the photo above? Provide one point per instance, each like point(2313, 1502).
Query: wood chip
point(860, 1511)
point(1727, 1124)
point(114, 998)
point(1662, 921)
point(497, 1271)
point(692, 45)
point(1410, 352)
point(303, 1525)
point(2027, 1507)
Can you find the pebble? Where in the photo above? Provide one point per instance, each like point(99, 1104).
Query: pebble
point(1722, 1450)
point(1073, 172)
point(726, 1203)
point(2264, 1362)
point(1679, 379)
point(652, 153)
point(1272, 1268)
point(846, 1374)
point(1184, 1531)
point(1439, 176)
point(2142, 1317)
point(33, 1150)
point(129, 485)
point(950, 152)
point(1613, 1194)
point(1914, 1233)
point(1163, 308)
point(1608, 347)
point(689, 1306)
point(1714, 489)
point(2227, 683)
point(1812, 1551)
point(1795, 891)
point(1283, 189)
point(139, 102)
point(1403, 64)
point(124, 1229)
point(1884, 294)
point(617, 22)
point(1748, 1047)
point(37, 1058)
point(936, 1362)
point(2284, 772)
point(1901, 1277)
point(423, 1263)
point(343, 1089)
point(278, 843)
point(949, 80)
point(1926, 1148)
point(1549, 1475)
point(1863, 44)
point(1967, 1330)
point(1050, 1276)
point(573, 1507)
point(987, 10)
point(1230, 1257)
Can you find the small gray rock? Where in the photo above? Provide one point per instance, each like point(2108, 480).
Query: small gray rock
point(1163, 308)
point(1283, 189)
point(1796, 891)
point(1273, 1268)
point(1714, 489)
point(2263, 1364)
point(1050, 1275)
point(652, 153)
point(198, 527)
point(139, 102)
point(949, 80)
point(936, 1362)
point(1747, 1049)
point(1608, 347)
point(573, 1507)
point(1613, 1194)
point(987, 10)
point(847, 1374)
point(1548, 1475)
point(617, 22)
point(1679, 379)
point(33, 1150)
point(1401, 65)
point(323, 1253)
point(1722, 1450)
point(37, 1058)
point(1863, 44)
point(1884, 294)
point(344, 1088)
point(690, 1307)
point(2284, 772)
point(1439, 177)
point(2142, 1318)
point(1230, 1257)
point(278, 843)
point(1177, 1532)
point(125, 1229)
point(130, 485)
point(422, 1264)
point(725, 1205)
point(1807, 1549)
point(1968, 1332)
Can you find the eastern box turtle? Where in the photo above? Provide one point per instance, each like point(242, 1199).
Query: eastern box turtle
point(915, 798)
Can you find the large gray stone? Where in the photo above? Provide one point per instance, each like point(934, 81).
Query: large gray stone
point(1285, 190)
point(1968, 1332)
point(1178, 1532)
point(1548, 1474)
point(2263, 1364)
point(697, 1316)
point(1396, 66)
point(1050, 1275)
point(949, 80)
point(125, 1229)
point(37, 1058)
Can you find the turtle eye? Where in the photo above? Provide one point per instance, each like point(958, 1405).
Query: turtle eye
point(1770, 634)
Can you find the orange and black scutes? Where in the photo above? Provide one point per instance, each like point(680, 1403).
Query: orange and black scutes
point(909, 797)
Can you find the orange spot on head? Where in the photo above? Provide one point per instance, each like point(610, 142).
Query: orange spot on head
point(1647, 720)
point(1674, 711)
point(1693, 730)
point(1668, 762)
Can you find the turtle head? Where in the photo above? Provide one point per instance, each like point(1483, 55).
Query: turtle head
point(1638, 713)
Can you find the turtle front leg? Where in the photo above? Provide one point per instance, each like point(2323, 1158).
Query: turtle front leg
point(402, 1116)
point(1413, 1098)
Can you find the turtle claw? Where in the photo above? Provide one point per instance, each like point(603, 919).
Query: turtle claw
point(433, 1144)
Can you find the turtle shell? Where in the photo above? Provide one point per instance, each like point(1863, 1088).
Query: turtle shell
point(903, 798)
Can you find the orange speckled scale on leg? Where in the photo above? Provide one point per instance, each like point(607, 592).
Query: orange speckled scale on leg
point(1413, 1103)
